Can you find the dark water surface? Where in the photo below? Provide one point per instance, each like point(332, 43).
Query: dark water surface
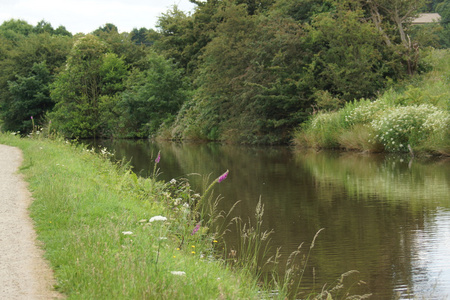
point(386, 216)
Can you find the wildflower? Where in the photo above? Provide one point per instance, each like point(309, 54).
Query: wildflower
point(193, 252)
point(31, 117)
point(215, 241)
point(158, 218)
point(127, 232)
point(158, 158)
point(178, 273)
point(223, 177)
point(173, 181)
point(196, 228)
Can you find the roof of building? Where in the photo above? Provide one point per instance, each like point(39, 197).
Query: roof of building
point(427, 18)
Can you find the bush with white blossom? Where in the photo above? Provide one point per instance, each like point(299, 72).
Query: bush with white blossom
point(400, 126)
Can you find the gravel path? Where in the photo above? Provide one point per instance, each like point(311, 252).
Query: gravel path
point(24, 274)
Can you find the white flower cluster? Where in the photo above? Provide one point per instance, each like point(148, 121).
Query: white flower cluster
point(438, 121)
point(406, 125)
point(157, 218)
point(365, 112)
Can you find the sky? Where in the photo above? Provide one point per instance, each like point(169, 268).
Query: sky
point(87, 15)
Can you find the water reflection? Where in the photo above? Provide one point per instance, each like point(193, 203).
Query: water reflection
point(386, 216)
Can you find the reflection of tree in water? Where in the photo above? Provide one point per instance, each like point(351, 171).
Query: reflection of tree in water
point(371, 206)
point(394, 199)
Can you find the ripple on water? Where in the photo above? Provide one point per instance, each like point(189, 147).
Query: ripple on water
point(430, 274)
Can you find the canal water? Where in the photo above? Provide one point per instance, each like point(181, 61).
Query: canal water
point(385, 216)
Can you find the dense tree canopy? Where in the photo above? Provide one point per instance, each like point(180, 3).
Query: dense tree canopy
point(241, 70)
point(29, 60)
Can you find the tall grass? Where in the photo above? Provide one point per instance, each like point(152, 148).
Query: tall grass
point(411, 117)
point(93, 218)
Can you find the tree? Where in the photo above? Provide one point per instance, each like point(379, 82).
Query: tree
point(91, 73)
point(250, 78)
point(21, 64)
point(121, 44)
point(443, 9)
point(256, 6)
point(30, 97)
point(176, 37)
point(303, 10)
point(44, 26)
point(15, 30)
point(348, 55)
point(153, 96)
point(392, 19)
point(141, 36)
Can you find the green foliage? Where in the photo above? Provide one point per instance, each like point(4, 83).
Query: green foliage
point(250, 78)
point(44, 26)
point(141, 36)
point(411, 118)
point(175, 37)
point(322, 131)
point(303, 10)
point(348, 53)
point(121, 44)
point(30, 97)
point(443, 9)
point(91, 73)
point(15, 30)
point(27, 67)
point(113, 70)
point(153, 96)
point(256, 68)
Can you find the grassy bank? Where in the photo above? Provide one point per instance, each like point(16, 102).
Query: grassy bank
point(95, 220)
point(411, 117)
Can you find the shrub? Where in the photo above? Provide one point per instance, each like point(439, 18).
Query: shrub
point(409, 125)
point(365, 112)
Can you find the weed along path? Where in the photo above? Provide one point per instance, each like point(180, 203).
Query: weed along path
point(24, 274)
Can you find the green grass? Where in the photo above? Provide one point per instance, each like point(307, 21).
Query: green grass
point(82, 205)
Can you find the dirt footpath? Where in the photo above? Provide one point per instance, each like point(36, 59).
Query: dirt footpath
point(24, 274)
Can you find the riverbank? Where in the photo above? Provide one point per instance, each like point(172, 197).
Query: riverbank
point(24, 273)
point(412, 117)
point(108, 233)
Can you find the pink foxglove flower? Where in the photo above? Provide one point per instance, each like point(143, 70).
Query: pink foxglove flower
point(223, 177)
point(197, 227)
point(158, 158)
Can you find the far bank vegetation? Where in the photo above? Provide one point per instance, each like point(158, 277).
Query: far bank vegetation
point(325, 73)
